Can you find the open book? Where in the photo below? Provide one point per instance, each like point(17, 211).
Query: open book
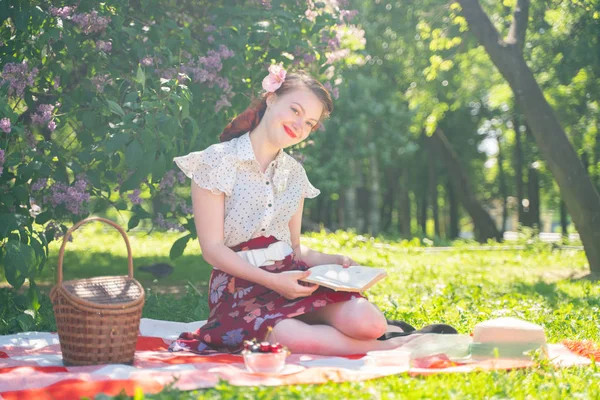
point(352, 279)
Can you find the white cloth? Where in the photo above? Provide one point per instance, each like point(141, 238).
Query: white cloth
point(256, 203)
point(274, 252)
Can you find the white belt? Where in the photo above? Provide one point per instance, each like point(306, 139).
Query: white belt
point(260, 257)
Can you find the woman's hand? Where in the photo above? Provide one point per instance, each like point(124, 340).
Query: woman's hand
point(286, 284)
point(346, 261)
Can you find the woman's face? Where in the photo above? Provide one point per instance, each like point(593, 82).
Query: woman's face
point(291, 117)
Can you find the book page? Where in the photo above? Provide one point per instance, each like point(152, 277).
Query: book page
point(354, 278)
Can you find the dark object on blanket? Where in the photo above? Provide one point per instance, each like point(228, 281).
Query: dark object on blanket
point(98, 318)
point(410, 330)
point(159, 270)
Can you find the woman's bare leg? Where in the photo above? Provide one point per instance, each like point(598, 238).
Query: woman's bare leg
point(300, 337)
point(357, 318)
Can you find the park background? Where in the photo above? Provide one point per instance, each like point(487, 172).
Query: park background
point(456, 124)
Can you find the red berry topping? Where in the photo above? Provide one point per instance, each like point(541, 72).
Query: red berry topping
point(276, 348)
point(265, 347)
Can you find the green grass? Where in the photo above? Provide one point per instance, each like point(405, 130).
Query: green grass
point(458, 287)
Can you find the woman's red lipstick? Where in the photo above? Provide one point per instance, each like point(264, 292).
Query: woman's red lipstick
point(289, 132)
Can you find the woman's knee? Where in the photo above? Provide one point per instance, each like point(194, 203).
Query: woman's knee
point(365, 320)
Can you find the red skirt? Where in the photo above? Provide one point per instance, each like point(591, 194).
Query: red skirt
point(241, 309)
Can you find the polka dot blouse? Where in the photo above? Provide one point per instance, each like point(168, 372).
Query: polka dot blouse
point(256, 203)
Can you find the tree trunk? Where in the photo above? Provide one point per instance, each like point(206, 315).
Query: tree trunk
point(453, 209)
point(502, 183)
point(374, 189)
point(519, 172)
point(404, 214)
point(350, 201)
point(423, 212)
point(485, 228)
point(580, 195)
point(432, 183)
point(533, 192)
point(387, 207)
point(563, 220)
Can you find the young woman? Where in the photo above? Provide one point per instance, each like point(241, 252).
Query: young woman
point(248, 197)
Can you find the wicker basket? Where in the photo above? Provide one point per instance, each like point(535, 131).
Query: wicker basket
point(97, 319)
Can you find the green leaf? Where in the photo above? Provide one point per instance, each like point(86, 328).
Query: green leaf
point(115, 108)
point(275, 42)
point(134, 154)
point(140, 212)
point(19, 260)
point(25, 322)
point(179, 246)
point(11, 222)
point(116, 142)
point(133, 222)
point(33, 295)
point(140, 77)
point(44, 217)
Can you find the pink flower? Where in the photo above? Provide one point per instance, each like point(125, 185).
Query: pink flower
point(5, 125)
point(275, 79)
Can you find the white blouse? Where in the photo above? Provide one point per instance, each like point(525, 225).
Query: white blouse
point(256, 203)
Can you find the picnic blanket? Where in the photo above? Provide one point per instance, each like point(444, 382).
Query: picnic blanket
point(31, 367)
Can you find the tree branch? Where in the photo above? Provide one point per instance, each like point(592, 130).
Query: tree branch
point(480, 24)
point(518, 28)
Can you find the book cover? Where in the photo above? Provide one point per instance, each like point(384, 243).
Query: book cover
point(356, 278)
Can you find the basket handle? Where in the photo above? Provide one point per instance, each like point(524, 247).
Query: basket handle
point(85, 221)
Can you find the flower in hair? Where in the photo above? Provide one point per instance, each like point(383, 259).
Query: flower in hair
point(275, 79)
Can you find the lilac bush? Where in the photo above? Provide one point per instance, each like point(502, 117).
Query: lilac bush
point(96, 99)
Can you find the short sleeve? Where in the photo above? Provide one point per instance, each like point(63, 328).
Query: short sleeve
point(213, 169)
point(308, 190)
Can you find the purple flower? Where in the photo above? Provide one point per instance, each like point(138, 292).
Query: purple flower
point(146, 61)
point(168, 180)
point(100, 81)
point(72, 197)
point(104, 46)
point(225, 52)
point(233, 337)
point(51, 126)
point(18, 77)
point(39, 184)
point(135, 197)
point(210, 28)
point(63, 12)
point(91, 22)
point(43, 115)
point(221, 103)
point(210, 39)
point(5, 125)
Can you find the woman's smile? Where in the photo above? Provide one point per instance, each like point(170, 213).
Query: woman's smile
point(290, 132)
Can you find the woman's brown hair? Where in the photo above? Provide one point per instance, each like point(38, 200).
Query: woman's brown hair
point(251, 116)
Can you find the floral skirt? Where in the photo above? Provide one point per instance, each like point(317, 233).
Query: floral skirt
point(241, 309)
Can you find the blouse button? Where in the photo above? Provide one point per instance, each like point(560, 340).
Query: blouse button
point(270, 205)
point(263, 229)
point(268, 183)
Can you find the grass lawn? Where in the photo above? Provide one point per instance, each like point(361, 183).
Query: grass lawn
point(460, 287)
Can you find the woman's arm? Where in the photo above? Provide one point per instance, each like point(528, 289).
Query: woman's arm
point(209, 218)
point(309, 256)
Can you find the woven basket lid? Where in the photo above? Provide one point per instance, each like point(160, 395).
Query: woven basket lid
point(117, 290)
point(104, 292)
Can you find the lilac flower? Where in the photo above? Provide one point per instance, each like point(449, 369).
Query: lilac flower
point(18, 77)
point(210, 28)
point(168, 180)
point(5, 125)
point(233, 337)
point(162, 223)
point(210, 39)
point(72, 197)
point(51, 126)
point(91, 22)
point(100, 81)
point(347, 15)
point(39, 184)
point(222, 103)
point(309, 58)
point(135, 197)
point(225, 52)
point(43, 114)
point(63, 12)
point(104, 46)
point(146, 61)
